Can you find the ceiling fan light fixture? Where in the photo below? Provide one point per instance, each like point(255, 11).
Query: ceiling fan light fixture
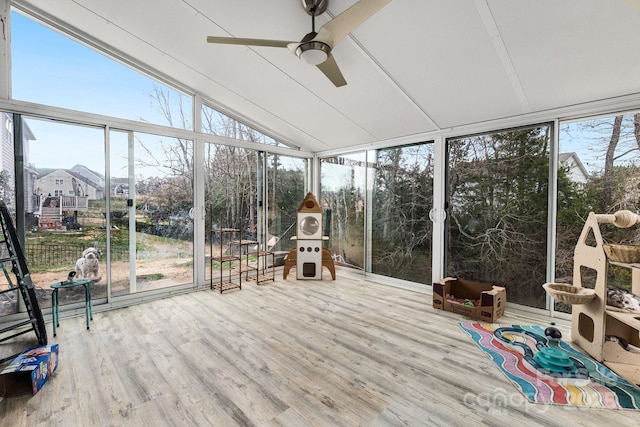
point(315, 47)
point(313, 52)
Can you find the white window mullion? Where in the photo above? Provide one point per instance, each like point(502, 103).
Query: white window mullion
point(199, 203)
point(438, 212)
point(5, 51)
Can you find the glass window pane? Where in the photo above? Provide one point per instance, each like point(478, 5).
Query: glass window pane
point(598, 171)
point(52, 69)
point(152, 236)
point(65, 212)
point(497, 216)
point(216, 123)
point(9, 300)
point(342, 198)
point(286, 190)
point(230, 197)
point(402, 196)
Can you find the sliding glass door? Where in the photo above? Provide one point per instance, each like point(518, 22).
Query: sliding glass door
point(498, 211)
point(286, 188)
point(401, 189)
point(342, 198)
point(150, 215)
point(62, 200)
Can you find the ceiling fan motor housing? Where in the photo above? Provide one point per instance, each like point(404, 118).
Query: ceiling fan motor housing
point(315, 7)
point(313, 52)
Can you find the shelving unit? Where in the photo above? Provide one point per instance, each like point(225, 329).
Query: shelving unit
point(242, 246)
point(234, 252)
point(593, 321)
point(225, 257)
point(261, 267)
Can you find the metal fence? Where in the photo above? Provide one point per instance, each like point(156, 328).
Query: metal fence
point(47, 254)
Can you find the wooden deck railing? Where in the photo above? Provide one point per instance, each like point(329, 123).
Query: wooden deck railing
point(65, 203)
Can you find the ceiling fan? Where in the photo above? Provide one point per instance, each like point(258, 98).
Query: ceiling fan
point(315, 48)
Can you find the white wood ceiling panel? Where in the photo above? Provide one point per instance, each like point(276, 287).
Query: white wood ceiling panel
point(572, 51)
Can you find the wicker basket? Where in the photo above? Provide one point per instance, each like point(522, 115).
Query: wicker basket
point(628, 254)
point(569, 294)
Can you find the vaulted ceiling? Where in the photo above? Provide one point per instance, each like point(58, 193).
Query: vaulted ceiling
point(416, 67)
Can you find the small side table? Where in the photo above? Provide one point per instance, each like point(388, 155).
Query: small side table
point(55, 302)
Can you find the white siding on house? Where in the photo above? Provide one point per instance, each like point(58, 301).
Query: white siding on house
point(575, 169)
point(61, 183)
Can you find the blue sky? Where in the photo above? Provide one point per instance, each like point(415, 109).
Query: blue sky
point(590, 139)
point(51, 69)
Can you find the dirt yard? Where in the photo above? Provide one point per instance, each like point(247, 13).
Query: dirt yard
point(151, 273)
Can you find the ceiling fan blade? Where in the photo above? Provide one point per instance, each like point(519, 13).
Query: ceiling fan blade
point(330, 69)
point(293, 46)
point(340, 26)
point(248, 42)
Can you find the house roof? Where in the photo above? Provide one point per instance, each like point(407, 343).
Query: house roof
point(415, 69)
point(564, 157)
point(42, 172)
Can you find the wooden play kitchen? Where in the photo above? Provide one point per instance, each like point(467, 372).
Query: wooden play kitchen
point(592, 319)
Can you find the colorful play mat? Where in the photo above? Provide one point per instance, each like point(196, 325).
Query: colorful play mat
point(551, 371)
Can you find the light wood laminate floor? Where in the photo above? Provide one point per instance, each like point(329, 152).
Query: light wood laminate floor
point(291, 353)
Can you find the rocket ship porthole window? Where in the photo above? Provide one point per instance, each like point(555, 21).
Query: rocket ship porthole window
point(309, 225)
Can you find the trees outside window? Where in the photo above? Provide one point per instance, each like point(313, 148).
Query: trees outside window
point(237, 178)
point(342, 198)
point(498, 210)
point(401, 198)
point(608, 149)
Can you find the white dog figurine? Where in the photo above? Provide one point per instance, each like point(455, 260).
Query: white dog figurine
point(87, 266)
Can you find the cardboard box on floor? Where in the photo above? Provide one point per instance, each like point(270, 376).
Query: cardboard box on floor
point(28, 372)
point(492, 298)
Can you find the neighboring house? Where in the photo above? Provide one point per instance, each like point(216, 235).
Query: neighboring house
point(89, 175)
point(30, 174)
point(7, 164)
point(119, 186)
point(575, 169)
point(65, 190)
point(67, 182)
point(30, 189)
